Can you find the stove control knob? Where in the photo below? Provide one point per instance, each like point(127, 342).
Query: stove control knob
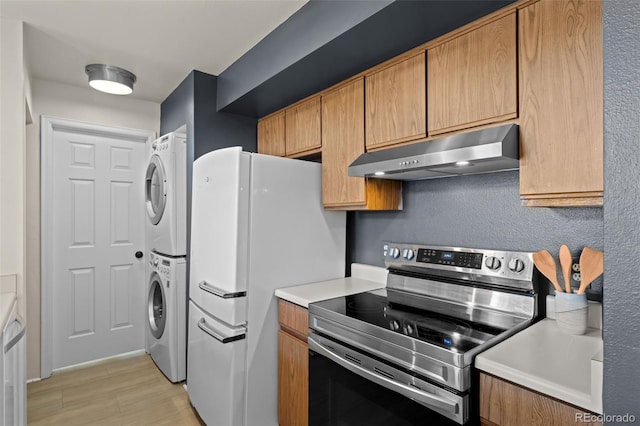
point(516, 265)
point(407, 254)
point(493, 263)
point(394, 325)
point(394, 252)
point(408, 330)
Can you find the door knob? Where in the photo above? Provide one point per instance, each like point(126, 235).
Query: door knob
point(139, 254)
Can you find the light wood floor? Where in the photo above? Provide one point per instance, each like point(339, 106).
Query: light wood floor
point(128, 391)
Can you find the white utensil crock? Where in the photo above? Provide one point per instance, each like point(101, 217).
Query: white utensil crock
point(571, 312)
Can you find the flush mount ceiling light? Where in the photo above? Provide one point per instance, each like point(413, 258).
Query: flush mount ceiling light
point(110, 79)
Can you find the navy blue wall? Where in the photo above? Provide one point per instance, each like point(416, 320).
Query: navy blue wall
point(215, 129)
point(479, 211)
point(193, 103)
point(177, 109)
point(327, 41)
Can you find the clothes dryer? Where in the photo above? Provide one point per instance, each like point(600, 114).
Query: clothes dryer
point(165, 189)
point(166, 315)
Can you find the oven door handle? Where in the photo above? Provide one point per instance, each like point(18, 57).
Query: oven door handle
point(439, 402)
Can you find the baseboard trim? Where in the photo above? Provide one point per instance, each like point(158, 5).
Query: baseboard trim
point(101, 360)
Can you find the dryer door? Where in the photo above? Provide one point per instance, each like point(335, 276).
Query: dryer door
point(156, 306)
point(156, 189)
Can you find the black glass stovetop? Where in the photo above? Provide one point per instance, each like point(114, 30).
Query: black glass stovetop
point(439, 329)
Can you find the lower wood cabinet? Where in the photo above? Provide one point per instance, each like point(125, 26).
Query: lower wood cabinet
point(504, 404)
point(293, 365)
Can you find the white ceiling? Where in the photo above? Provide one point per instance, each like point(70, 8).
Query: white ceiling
point(159, 41)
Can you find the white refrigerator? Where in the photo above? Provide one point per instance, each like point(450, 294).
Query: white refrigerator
point(257, 224)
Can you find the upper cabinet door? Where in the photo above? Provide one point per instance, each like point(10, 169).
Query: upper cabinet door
point(302, 123)
point(396, 103)
point(271, 135)
point(561, 103)
point(342, 143)
point(472, 79)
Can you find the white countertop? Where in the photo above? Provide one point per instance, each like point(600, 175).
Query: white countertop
point(546, 359)
point(363, 278)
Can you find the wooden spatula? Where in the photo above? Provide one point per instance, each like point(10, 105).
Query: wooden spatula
point(591, 267)
point(545, 264)
point(565, 263)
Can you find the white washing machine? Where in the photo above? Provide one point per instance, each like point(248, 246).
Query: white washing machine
point(166, 314)
point(166, 199)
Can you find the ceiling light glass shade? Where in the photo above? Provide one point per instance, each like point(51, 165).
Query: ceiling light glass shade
point(110, 79)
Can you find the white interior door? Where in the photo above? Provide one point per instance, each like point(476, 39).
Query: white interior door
point(95, 212)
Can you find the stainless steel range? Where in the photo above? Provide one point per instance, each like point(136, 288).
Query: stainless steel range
point(403, 355)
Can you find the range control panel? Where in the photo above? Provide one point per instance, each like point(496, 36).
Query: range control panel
point(453, 258)
point(486, 262)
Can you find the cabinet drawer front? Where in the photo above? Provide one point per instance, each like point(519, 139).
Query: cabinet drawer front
point(472, 79)
point(294, 318)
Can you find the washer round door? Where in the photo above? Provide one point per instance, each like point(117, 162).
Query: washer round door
point(156, 307)
point(156, 189)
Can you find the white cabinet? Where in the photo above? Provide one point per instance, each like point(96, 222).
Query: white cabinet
point(13, 375)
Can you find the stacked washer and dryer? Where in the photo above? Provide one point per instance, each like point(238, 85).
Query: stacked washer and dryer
point(166, 186)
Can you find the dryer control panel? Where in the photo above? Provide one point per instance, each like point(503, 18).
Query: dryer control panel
point(160, 265)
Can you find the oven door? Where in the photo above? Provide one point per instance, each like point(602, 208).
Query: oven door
point(348, 387)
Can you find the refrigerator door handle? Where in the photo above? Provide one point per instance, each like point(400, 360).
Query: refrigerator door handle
point(216, 334)
point(11, 343)
point(219, 292)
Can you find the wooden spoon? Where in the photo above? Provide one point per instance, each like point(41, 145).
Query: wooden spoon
point(545, 264)
point(565, 262)
point(591, 267)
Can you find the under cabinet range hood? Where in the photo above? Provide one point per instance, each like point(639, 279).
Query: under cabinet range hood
point(493, 149)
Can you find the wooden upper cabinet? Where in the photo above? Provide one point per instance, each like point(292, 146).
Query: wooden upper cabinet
point(561, 103)
point(271, 135)
point(472, 79)
point(396, 103)
point(342, 143)
point(302, 123)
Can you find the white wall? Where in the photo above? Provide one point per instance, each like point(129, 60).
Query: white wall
point(72, 103)
point(12, 155)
